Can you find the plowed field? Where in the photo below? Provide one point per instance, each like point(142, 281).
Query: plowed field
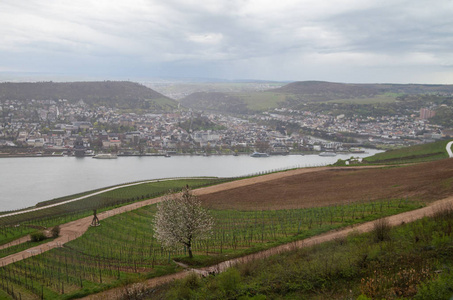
point(329, 186)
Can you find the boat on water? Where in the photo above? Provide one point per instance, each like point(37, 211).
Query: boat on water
point(259, 154)
point(105, 156)
point(356, 150)
point(327, 154)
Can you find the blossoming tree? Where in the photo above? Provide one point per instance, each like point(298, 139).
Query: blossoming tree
point(180, 219)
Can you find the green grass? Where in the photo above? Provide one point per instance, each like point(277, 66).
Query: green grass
point(123, 249)
point(413, 154)
point(17, 248)
point(383, 98)
point(160, 186)
point(82, 208)
point(261, 101)
point(415, 261)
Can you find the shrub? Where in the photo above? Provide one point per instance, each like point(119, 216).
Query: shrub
point(382, 285)
point(439, 289)
point(192, 281)
point(381, 230)
point(37, 236)
point(55, 231)
point(256, 297)
point(185, 289)
point(229, 280)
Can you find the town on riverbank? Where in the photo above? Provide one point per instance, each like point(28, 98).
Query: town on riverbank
point(43, 124)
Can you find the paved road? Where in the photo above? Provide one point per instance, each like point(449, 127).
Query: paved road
point(92, 194)
point(75, 229)
point(450, 153)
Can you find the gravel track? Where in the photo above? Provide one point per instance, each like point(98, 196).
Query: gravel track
point(395, 220)
point(75, 229)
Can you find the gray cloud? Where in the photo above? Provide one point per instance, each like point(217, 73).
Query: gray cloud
point(338, 40)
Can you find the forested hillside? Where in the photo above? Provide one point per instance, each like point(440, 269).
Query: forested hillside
point(297, 95)
point(121, 94)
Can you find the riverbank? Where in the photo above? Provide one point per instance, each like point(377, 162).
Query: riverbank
point(66, 152)
point(29, 180)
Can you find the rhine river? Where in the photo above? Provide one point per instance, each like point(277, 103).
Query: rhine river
point(27, 181)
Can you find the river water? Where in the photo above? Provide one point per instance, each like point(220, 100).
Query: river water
point(27, 181)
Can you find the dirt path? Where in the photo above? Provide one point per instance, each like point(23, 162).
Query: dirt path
point(16, 242)
point(89, 195)
point(395, 220)
point(75, 229)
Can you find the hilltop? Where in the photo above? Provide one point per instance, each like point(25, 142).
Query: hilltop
point(325, 91)
point(120, 94)
point(295, 94)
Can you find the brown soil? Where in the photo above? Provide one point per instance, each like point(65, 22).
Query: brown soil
point(329, 186)
point(16, 242)
point(296, 188)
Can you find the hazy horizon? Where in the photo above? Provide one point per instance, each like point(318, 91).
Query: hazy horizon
point(348, 41)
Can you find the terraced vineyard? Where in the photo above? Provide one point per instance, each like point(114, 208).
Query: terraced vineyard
point(123, 249)
point(260, 213)
point(15, 226)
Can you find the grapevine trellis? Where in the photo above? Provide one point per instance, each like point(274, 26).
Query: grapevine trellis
point(12, 227)
point(123, 248)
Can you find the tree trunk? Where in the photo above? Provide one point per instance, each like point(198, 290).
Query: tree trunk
point(189, 248)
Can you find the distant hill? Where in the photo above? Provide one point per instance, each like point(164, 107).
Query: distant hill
point(326, 91)
point(295, 94)
point(120, 94)
point(216, 101)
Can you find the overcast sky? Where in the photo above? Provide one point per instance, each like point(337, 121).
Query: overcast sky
point(333, 40)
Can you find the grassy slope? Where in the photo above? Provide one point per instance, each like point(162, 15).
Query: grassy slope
point(410, 261)
point(381, 98)
point(110, 244)
point(126, 226)
point(238, 233)
point(82, 208)
point(418, 153)
point(260, 101)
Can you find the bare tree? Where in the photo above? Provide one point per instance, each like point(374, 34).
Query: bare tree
point(180, 219)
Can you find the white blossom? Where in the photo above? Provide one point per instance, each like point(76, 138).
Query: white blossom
point(180, 219)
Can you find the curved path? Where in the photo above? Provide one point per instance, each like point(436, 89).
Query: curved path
point(93, 194)
point(75, 229)
point(410, 216)
point(450, 153)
